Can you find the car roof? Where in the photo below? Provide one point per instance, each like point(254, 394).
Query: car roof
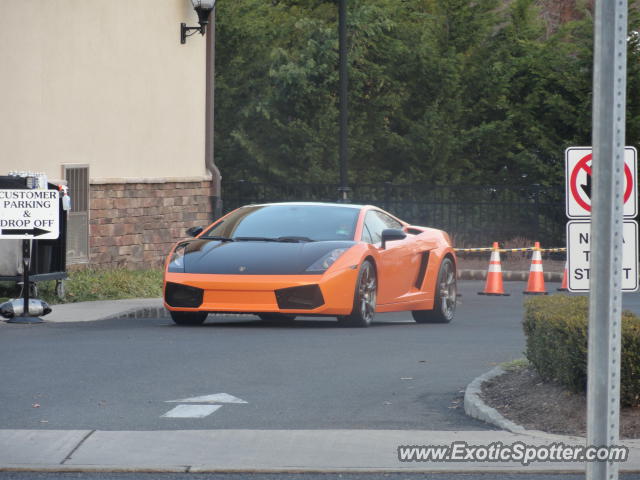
point(320, 204)
point(327, 204)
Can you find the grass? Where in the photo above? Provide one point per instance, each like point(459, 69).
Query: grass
point(96, 284)
point(516, 364)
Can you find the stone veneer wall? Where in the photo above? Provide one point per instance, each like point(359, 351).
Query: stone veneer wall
point(134, 224)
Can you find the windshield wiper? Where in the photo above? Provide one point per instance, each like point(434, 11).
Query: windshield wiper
point(285, 239)
point(221, 239)
point(255, 239)
point(294, 239)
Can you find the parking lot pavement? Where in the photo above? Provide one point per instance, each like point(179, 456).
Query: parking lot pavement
point(119, 374)
point(310, 386)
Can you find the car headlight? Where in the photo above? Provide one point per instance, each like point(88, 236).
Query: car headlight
point(176, 264)
point(326, 261)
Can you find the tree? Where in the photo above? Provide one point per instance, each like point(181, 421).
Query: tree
point(441, 91)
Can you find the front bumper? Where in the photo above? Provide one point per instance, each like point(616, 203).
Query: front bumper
point(327, 294)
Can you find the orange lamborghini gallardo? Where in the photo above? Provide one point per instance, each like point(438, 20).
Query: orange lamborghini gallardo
point(282, 260)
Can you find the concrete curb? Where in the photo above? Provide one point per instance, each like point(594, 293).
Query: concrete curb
point(143, 312)
point(509, 275)
point(159, 312)
point(153, 308)
point(475, 407)
point(106, 310)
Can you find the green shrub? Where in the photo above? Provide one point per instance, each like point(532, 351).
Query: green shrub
point(556, 331)
point(630, 363)
point(107, 284)
point(96, 284)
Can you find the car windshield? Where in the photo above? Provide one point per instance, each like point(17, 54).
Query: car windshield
point(287, 223)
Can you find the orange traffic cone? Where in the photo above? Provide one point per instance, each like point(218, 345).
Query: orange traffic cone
point(564, 287)
point(494, 275)
point(535, 285)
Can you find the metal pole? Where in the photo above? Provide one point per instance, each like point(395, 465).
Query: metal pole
point(216, 178)
point(605, 301)
point(26, 315)
point(344, 90)
point(26, 264)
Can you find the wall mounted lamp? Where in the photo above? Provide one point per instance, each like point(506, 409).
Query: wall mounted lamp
point(203, 9)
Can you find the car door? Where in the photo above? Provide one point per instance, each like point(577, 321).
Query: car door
point(395, 263)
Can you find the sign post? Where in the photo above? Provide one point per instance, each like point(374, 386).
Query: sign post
point(26, 264)
point(27, 214)
point(607, 202)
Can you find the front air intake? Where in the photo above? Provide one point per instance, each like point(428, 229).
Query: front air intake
point(306, 297)
point(178, 295)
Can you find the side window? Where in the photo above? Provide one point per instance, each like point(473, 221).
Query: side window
point(388, 221)
point(374, 224)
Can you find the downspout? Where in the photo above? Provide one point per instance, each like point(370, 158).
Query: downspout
point(215, 195)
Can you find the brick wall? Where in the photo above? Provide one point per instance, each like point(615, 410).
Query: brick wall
point(135, 224)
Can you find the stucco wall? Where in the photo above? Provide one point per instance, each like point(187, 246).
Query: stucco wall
point(105, 83)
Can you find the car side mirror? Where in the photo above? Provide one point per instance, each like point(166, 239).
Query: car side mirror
point(194, 231)
point(390, 234)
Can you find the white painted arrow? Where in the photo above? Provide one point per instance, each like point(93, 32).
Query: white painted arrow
point(191, 411)
point(186, 409)
point(215, 398)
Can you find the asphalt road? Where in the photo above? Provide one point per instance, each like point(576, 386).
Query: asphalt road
point(310, 374)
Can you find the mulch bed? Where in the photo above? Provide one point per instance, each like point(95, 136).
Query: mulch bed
point(525, 399)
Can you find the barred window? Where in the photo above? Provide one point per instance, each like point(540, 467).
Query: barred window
point(77, 177)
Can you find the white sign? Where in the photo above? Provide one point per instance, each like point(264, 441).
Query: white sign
point(579, 256)
point(578, 182)
point(29, 214)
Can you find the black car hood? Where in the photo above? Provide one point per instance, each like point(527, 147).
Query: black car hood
point(255, 257)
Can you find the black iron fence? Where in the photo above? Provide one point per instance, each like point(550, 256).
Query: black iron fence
point(473, 215)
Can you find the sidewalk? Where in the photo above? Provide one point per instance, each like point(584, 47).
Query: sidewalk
point(263, 451)
point(107, 310)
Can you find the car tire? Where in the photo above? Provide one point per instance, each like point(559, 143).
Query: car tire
point(364, 300)
point(444, 304)
point(189, 318)
point(276, 317)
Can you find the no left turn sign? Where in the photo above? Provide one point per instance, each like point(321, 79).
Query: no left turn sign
point(578, 182)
